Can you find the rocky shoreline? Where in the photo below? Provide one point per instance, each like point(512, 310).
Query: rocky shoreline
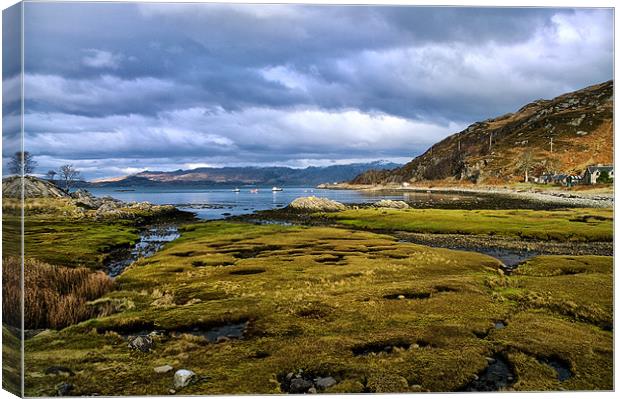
point(590, 199)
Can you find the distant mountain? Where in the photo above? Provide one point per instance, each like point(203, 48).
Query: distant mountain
point(565, 134)
point(233, 176)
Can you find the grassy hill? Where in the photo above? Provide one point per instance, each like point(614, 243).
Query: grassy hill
point(564, 134)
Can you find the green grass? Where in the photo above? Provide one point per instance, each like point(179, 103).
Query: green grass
point(11, 360)
point(561, 225)
point(316, 294)
point(68, 242)
point(580, 287)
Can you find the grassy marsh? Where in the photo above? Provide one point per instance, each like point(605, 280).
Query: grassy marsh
point(328, 301)
point(579, 224)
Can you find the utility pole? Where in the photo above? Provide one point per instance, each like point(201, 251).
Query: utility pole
point(551, 143)
point(459, 145)
point(490, 141)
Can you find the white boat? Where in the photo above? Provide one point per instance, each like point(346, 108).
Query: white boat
point(236, 190)
point(276, 189)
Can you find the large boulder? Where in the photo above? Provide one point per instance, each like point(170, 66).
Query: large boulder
point(385, 203)
point(33, 188)
point(85, 199)
point(316, 204)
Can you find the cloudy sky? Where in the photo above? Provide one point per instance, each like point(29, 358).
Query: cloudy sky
point(119, 88)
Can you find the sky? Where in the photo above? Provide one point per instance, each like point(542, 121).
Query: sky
point(115, 89)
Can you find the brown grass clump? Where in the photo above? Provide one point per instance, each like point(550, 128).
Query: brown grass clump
point(55, 296)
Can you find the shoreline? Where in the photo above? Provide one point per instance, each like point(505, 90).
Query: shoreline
point(569, 198)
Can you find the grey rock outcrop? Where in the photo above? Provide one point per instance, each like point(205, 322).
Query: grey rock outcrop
point(316, 204)
point(385, 203)
point(33, 188)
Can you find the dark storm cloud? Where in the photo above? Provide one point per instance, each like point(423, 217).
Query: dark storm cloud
point(284, 83)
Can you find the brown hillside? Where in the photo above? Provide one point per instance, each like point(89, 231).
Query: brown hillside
point(493, 151)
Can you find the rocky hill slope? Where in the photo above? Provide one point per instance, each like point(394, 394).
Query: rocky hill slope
point(33, 188)
point(562, 135)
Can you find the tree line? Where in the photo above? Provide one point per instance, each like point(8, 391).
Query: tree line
point(24, 162)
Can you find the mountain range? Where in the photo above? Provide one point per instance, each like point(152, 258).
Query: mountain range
point(562, 135)
point(250, 175)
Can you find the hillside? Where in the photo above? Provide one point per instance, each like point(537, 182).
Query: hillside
point(494, 151)
point(309, 176)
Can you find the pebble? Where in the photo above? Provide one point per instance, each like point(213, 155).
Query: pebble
point(325, 382)
point(163, 369)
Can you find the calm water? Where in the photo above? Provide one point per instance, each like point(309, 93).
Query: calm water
point(219, 203)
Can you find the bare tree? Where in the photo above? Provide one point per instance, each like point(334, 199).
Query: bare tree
point(69, 175)
point(525, 163)
point(51, 174)
point(20, 159)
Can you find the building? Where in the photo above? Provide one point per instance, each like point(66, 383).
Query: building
point(592, 173)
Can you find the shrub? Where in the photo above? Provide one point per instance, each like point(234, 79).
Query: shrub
point(54, 296)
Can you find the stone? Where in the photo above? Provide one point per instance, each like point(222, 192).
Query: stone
point(312, 390)
point(325, 382)
point(385, 203)
point(163, 369)
point(143, 343)
point(64, 388)
point(316, 204)
point(401, 297)
point(59, 370)
point(183, 378)
point(300, 385)
point(222, 339)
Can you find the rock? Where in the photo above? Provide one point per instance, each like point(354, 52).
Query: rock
point(59, 370)
point(312, 390)
point(33, 188)
point(300, 385)
point(222, 339)
point(172, 391)
point(325, 382)
point(316, 204)
point(85, 199)
point(163, 369)
point(183, 378)
point(143, 343)
point(64, 388)
point(385, 203)
point(401, 297)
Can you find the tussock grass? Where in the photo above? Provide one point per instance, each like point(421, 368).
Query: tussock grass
point(54, 296)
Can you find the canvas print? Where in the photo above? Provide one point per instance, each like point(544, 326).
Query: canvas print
point(205, 199)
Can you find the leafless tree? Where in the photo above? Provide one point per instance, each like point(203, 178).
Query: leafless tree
point(525, 163)
point(69, 175)
point(22, 158)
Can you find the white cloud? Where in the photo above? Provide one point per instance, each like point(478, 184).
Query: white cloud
point(212, 136)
